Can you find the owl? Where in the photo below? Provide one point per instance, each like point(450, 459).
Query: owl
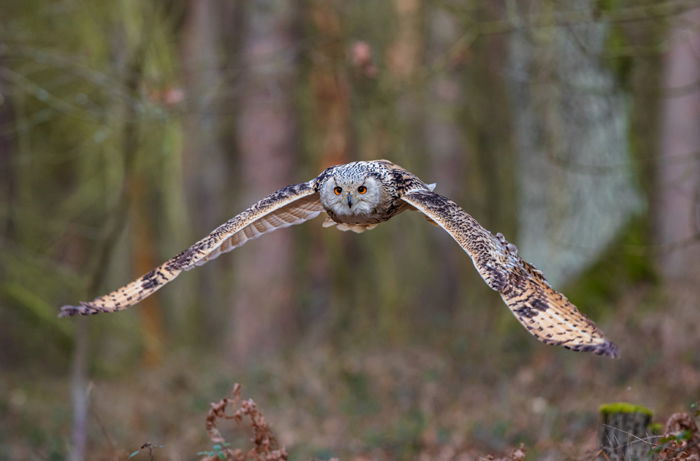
point(357, 197)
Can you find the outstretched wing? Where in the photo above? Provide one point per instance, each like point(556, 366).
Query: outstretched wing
point(545, 312)
point(286, 207)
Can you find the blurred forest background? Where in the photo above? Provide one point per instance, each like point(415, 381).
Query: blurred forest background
point(131, 128)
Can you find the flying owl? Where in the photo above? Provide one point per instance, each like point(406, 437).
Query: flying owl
point(357, 197)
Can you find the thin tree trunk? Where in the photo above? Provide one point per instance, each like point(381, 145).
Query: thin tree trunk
point(328, 133)
point(393, 290)
point(79, 377)
point(571, 127)
point(678, 169)
point(404, 52)
point(329, 85)
point(444, 143)
point(79, 391)
point(205, 166)
point(144, 259)
point(489, 173)
point(7, 169)
point(264, 307)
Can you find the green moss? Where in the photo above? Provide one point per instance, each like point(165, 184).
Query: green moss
point(618, 58)
point(656, 428)
point(604, 6)
point(623, 407)
point(615, 52)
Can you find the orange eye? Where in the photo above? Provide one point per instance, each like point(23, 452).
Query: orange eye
point(362, 190)
point(337, 190)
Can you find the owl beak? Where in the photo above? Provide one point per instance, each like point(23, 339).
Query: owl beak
point(349, 201)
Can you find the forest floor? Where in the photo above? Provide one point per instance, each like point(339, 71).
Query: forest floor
point(397, 402)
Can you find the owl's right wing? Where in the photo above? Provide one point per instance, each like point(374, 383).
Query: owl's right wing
point(545, 312)
point(288, 206)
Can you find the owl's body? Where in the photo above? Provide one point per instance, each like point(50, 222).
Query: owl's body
point(358, 196)
point(384, 184)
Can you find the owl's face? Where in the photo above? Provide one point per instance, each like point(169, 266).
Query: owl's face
point(352, 194)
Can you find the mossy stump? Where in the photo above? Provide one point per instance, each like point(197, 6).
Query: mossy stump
point(625, 434)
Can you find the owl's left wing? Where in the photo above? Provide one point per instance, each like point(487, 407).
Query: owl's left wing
point(288, 206)
point(545, 312)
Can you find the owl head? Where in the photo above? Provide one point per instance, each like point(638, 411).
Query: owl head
point(353, 189)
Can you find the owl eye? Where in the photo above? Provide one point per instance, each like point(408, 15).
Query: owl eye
point(362, 190)
point(337, 190)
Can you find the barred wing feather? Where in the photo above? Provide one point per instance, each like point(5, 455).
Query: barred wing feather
point(545, 312)
point(286, 207)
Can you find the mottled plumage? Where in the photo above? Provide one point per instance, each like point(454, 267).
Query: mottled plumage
point(357, 196)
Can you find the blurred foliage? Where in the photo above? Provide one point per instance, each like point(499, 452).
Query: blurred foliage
point(623, 267)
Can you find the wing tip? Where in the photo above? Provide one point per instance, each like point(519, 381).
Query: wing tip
point(83, 309)
point(606, 348)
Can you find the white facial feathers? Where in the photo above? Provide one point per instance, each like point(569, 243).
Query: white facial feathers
point(347, 195)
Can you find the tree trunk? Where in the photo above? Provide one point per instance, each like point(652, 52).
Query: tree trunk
point(329, 85)
point(264, 304)
point(327, 132)
point(491, 173)
point(143, 256)
point(571, 125)
point(445, 145)
point(7, 168)
point(624, 433)
point(392, 290)
point(205, 168)
point(677, 213)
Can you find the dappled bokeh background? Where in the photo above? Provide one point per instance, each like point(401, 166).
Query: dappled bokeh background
point(130, 129)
